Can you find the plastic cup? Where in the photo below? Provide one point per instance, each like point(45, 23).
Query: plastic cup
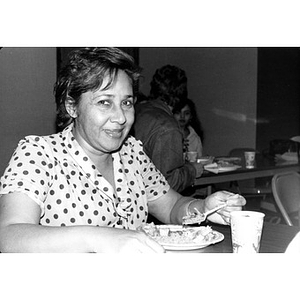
point(246, 231)
point(192, 156)
point(250, 159)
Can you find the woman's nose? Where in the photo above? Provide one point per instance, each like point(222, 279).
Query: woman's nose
point(118, 115)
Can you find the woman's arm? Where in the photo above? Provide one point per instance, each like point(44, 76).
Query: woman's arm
point(172, 207)
point(20, 232)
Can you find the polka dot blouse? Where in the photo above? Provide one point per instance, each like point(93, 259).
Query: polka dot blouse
point(55, 172)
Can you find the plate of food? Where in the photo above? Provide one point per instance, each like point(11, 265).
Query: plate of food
point(228, 167)
point(221, 167)
point(178, 237)
point(228, 159)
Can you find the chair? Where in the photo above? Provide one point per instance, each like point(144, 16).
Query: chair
point(286, 192)
point(296, 138)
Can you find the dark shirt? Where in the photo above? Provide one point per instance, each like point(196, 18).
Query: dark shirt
point(162, 140)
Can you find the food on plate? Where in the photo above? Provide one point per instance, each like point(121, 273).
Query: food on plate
point(225, 164)
point(177, 234)
point(229, 159)
point(193, 218)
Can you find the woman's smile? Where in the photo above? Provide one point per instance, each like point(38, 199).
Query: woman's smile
point(114, 133)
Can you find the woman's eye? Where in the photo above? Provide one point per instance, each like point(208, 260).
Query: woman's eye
point(128, 103)
point(104, 103)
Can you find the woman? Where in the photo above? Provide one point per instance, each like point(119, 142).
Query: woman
point(89, 187)
point(186, 116)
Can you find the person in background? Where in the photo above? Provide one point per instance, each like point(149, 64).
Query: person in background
point(159, 131)
point(89, 187)
point(186, 115)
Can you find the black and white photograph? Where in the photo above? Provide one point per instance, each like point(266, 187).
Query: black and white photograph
point(171, 149)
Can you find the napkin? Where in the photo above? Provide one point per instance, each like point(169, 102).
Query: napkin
point(288, 156)
point(212, 168)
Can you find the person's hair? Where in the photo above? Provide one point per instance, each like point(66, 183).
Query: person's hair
point(85, 71)
point(169, 83)
point(194, 122)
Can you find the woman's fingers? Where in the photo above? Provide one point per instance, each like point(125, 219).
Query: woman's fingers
point(145, 244)
point(236, 200)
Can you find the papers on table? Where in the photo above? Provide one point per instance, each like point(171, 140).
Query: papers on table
point(216, 168)
point(287, 156)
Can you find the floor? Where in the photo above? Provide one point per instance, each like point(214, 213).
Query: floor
point(267, 206)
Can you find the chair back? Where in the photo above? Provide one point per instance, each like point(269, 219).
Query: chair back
point(296, 138)
point(286, 192)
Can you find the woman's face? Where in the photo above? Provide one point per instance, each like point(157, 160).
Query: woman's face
point(184, 116)
point(103, 118)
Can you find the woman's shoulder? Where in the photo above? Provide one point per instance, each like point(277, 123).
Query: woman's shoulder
point(39, 140)
point(54, 139)
point(132, 144)
point(48, 146)
point(193, 132)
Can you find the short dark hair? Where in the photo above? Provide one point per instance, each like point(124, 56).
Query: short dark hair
point(85, 71)
point(169, 83)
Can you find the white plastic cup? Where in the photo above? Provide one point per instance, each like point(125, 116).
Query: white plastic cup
point(246, 231)
point(192, 156)
point(250, 159)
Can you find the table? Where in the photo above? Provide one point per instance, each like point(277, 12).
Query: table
point(275, 239)
point(264, 167)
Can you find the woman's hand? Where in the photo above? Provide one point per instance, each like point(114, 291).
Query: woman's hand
point(222, 216)
point(199, 168)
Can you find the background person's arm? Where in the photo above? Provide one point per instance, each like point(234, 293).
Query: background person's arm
point(167, 155)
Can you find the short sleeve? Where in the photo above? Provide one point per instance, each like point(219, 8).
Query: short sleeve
point(154, 181)
point(29, 170)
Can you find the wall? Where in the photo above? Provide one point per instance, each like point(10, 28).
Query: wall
point(222, 82)
point(278, 94)
point(27, 103)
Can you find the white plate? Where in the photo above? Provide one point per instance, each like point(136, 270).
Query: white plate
point(180, 247)
point(228, 169)
point(222, 169)
point(190, 246)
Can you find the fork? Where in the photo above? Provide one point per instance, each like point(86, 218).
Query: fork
point(199, 217)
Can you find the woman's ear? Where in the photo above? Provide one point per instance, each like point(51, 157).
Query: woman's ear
point(71, 107)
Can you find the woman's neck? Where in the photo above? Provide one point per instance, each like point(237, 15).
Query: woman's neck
point(185, 131)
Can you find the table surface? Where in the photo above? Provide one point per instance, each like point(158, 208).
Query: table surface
point(264, 167)
point(275, 239)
